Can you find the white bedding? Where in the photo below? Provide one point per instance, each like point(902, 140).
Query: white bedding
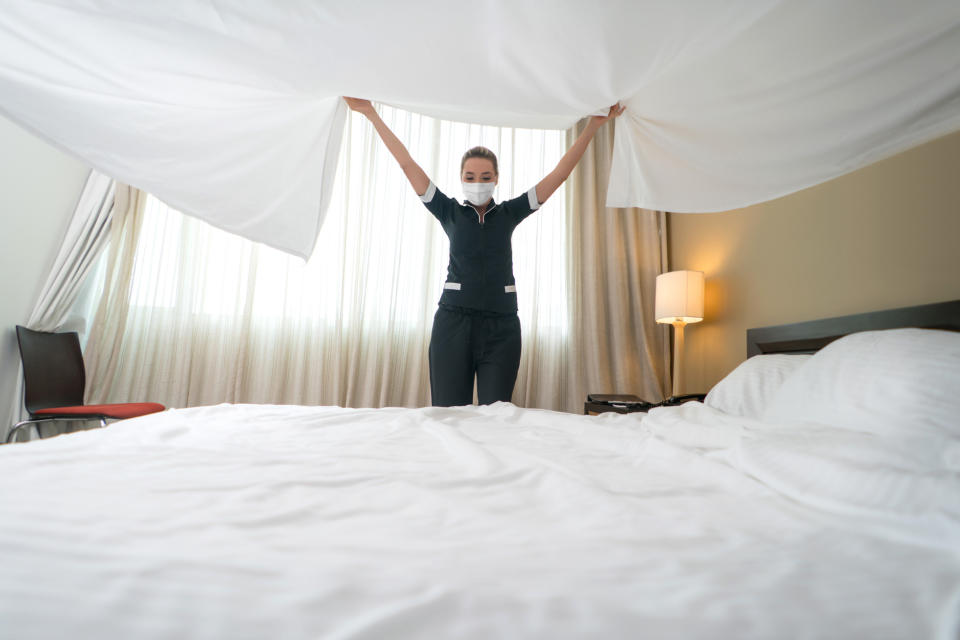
point(293, 522)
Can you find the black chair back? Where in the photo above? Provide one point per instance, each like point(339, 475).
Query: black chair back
point(53, 372)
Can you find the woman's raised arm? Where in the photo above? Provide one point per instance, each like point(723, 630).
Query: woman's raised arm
point(555, 178)
point(418, 179)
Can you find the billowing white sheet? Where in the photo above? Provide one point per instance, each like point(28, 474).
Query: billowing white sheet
point(491, 522)
point(229, 110)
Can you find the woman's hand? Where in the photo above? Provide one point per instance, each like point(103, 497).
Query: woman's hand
point(614, 112)
point(357, 104)
point(418, 179)
point(555, 178)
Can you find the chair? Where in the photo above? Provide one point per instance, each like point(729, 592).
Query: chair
point(54, 379)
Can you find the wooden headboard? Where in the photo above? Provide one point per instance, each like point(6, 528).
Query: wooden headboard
point(807, 337)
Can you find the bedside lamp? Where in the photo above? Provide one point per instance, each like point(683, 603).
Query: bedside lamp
point(679, 302)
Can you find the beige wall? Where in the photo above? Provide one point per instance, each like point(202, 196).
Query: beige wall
point(882, 237)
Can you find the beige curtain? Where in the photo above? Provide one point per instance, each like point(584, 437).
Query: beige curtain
point(616, 255)
point(104, 350)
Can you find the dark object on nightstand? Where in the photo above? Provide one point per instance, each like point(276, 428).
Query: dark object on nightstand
point(624, 403)
point(673, 401)
point(617, 403)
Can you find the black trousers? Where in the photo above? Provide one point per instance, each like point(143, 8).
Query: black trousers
point(467, 343)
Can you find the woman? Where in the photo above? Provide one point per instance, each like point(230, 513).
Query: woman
point(476, 331)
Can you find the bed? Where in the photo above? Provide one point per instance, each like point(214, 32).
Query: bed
point(809, 496)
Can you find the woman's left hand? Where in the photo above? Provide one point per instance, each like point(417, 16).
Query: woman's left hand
point(615, 111)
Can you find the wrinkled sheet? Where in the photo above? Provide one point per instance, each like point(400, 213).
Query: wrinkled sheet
point(491, 522)
point(229, 111)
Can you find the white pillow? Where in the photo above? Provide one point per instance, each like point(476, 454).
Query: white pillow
point(887, 382)
point(747, 390)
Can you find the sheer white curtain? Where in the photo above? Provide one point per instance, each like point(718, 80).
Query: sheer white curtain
point(214, 318)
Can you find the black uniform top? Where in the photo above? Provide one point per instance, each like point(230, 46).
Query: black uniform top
point(480, 272)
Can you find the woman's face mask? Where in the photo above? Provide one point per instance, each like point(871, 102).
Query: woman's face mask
point(478, 193)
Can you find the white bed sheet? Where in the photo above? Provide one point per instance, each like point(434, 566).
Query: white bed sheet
point(292, 522)
point(229, 111)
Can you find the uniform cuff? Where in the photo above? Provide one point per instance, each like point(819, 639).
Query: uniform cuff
point(428, 196)
point(531, 196)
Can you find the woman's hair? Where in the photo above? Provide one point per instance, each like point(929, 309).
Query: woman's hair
point(480, 152)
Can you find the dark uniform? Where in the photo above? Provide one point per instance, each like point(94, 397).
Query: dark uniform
point(476, 331)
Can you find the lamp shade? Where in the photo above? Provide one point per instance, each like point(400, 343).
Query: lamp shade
point(679, 297)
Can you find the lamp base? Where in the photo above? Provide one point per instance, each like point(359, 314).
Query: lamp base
point(677, 355)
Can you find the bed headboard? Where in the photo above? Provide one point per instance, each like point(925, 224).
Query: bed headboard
point(807, 337)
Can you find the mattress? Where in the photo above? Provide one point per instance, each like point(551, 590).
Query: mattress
point(250, 521)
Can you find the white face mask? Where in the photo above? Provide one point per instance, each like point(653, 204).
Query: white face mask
point(478, 193)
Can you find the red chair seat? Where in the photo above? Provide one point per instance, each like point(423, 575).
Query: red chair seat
point(118, 411)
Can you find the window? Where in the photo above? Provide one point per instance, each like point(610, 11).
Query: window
point(380, 258)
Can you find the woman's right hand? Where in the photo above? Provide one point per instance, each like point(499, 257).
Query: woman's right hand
point(358, 104)
point(418, 179)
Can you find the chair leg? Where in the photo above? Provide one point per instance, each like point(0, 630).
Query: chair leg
point(35, 424)
point(13, 432)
